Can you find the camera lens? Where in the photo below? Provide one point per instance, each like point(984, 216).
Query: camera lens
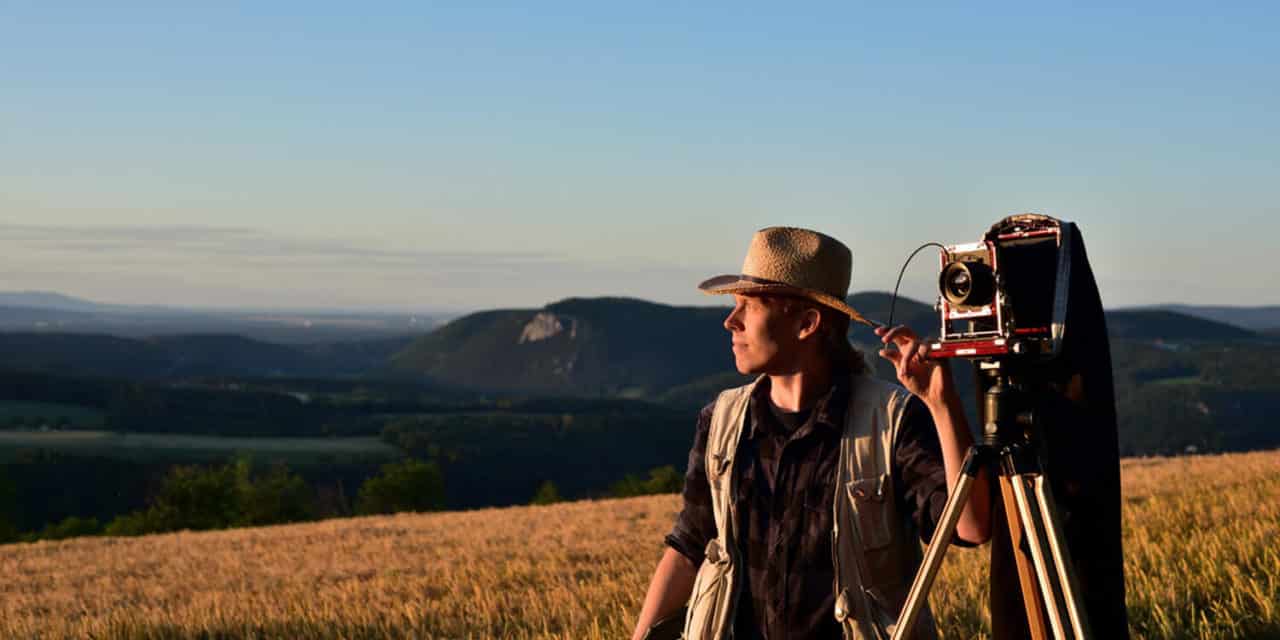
point(960, 283)
point(967, 284)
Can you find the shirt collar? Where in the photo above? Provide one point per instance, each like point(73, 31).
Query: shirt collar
point(828, 411)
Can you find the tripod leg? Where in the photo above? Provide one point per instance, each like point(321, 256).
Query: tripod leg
point(1033, 528)
point(1026, 575)
point(942, 535)
point(1061, 559)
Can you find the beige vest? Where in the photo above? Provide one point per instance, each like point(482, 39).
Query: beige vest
point(875, 550)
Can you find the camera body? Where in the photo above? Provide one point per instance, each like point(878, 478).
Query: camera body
point(1005, 295)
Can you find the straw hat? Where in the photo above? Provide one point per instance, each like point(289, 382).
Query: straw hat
point(797, 262)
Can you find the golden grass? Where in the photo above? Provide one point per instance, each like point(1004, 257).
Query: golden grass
point(1201, 545)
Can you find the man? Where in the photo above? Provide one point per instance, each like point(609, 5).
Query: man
point(808, 491)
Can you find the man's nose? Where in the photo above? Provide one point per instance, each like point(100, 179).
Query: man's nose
point(731, 322)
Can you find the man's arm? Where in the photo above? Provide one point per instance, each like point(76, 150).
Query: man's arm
point(668, 591)
point(974, 524)
point(673, 580)
point(931, 381)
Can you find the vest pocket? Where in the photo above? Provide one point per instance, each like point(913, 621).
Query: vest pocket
point(868, 498)
point(709, 602)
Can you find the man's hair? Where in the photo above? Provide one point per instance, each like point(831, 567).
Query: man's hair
point(834, 327)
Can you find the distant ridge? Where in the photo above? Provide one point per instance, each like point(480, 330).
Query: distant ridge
point(621, 346)
point(1254, 318)
point(577, 346)
point(1170, 325)
point(48, 300)
point(184, 356)
point(873, 304)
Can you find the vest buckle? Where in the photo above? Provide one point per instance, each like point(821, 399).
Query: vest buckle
point(842, 606)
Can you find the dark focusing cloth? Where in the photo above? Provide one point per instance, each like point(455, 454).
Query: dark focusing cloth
point(1083, 467)
point(784, 479)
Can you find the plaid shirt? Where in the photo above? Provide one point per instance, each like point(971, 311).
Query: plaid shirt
point(785, 515)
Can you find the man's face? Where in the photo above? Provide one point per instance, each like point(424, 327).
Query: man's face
point(765, 335)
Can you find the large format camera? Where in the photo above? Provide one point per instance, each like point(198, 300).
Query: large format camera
point(1047, 404)
point(1006, 294)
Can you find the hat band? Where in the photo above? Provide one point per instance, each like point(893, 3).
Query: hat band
point(755, 280)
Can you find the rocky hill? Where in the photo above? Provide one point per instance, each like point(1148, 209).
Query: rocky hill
point(609, 346)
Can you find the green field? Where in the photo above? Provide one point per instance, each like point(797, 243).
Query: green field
point(192, 448)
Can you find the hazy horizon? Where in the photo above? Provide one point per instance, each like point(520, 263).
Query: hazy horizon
point(411, 157)
point(708, 301)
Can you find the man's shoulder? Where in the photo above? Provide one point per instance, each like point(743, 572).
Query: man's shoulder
point(867, 384)
point(704, 415)
point(892, 397)
point(729, 392)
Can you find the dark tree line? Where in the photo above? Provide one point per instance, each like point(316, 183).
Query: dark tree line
point(234, 494)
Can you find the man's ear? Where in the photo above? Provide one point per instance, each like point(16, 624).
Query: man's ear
point(810, 322)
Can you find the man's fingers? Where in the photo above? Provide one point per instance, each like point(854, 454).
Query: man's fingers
point(908, 349)
point(889, 336)
point(892, 356)
point(901, 335)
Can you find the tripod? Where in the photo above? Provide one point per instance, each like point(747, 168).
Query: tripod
point(1010, 447)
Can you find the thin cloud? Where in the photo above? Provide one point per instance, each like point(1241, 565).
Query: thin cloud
point(231, 266)
point(238, 245)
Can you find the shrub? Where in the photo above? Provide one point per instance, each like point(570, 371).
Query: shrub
point(71, 527)
point(546, 494)
point(411, 485)
point(199, 498)
point(661, 480)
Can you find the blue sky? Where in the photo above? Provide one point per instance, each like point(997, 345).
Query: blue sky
point(425, 156)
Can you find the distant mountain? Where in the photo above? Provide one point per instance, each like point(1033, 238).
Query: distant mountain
point(15, 317)
point(359, 355)
point(617, 346)
point(876, 306)
point(1254, 318)
point(312, 328)
point(594, 347)
point(47, 300)
point(611, 346)
point(1169, 325)
point(1181, 380)
point(214, 354)
point(186, 356)
point(81, 354)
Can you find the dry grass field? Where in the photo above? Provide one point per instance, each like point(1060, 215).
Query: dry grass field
point(1202, 549)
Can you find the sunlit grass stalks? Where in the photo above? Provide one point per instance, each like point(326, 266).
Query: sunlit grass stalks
point(1201, 544)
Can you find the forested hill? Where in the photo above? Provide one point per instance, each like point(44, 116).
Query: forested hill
point(578, 346)
point(184, 356)
point(613, 384)
point(614, 346)
point(1169, 326)
point(1263, 318)
point(606, 346)
point(603, 346)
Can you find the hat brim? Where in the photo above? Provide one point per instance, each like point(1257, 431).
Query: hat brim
point(744, 284)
